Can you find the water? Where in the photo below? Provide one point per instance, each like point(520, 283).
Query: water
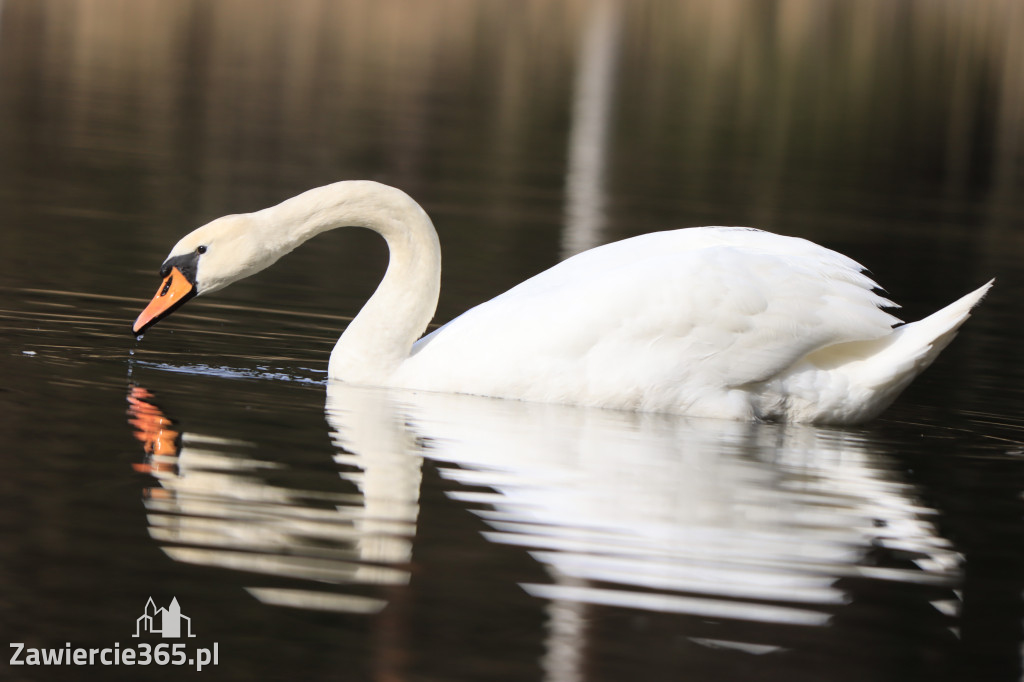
point(337, 533)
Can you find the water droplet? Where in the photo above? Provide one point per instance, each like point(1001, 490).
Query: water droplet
point(28, 352)
point(131, 351)
point(139, 337)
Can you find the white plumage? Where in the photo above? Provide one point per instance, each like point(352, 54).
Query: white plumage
point(712, 321)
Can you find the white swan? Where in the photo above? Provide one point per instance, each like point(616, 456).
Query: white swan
point(710, 321)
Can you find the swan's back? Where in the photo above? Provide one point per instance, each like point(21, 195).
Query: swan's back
point(699, 320)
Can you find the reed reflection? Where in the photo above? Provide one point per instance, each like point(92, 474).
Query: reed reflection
point(590, 130)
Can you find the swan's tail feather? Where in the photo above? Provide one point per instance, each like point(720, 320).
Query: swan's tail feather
point(914, 346)
point(853, 382)
point(881, 376)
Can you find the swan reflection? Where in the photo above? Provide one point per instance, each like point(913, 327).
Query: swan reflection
point(771, 524)
point(714, 518)
point(215, 506)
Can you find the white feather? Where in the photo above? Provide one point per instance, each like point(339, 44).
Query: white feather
point(711, 321)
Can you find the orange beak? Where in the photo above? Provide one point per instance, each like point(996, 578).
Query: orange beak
point(173, 292)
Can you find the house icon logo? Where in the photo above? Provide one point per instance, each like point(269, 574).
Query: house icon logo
point(166, 622)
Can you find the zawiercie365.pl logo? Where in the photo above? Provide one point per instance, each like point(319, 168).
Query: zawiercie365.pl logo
point(169, 623)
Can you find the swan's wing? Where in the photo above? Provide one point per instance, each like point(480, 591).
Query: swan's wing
point(720, 307)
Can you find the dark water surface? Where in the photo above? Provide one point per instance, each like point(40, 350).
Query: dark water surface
point(324, 532)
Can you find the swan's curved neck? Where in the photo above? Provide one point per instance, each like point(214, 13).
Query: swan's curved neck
point(381, 336)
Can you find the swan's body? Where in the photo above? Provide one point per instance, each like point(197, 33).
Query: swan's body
point(712, 321)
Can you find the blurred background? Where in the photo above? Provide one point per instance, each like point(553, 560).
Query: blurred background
point(528, 129)
point(890, 130)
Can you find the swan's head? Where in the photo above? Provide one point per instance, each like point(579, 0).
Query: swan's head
point(209, 258)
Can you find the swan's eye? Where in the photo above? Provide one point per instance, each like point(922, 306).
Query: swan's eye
point(201, 250)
